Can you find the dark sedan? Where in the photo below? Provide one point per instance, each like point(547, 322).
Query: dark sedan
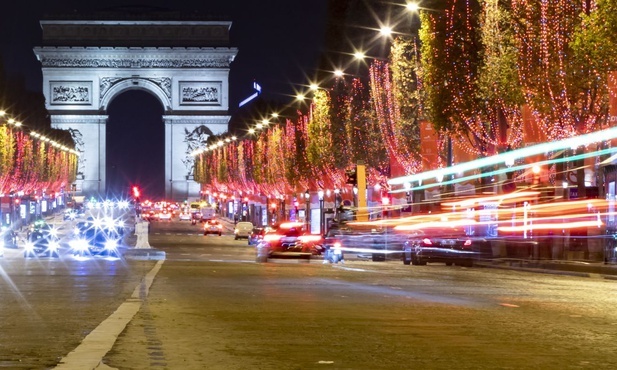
point(449, 245)
point(283, 241)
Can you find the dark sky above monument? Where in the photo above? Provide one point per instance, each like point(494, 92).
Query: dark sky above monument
point(279, 44)
point(279, 41)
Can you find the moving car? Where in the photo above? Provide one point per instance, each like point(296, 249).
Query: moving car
point(8, 238)
point(213, 227)
point(256, 235)
point(446, 244)
point(243, 230)
point(185, 216)
point(165, 216)
point(284, 242)
point(41, 243)
point(96, 242)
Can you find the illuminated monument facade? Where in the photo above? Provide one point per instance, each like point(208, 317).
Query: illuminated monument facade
point(184, 63)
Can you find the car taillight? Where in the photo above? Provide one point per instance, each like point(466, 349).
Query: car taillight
point(427, 241)
point(467, 243)
point(272, 237)
point(309, 238)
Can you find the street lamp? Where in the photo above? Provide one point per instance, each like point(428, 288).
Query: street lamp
point(337, 200)
point(283, 212)
point(307, 195)
point(320, 194)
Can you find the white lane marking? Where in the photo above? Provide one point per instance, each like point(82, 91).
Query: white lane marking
point(89, 354)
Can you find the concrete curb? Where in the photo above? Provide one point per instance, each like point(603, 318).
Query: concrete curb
point(143, 254)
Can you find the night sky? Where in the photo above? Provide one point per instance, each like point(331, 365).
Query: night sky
point(279, 43)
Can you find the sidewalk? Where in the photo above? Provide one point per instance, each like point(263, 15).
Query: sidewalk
point(572, 268)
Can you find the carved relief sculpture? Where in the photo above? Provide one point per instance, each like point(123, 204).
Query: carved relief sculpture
point(194, 140)
point(200, 93)
point(71, 92)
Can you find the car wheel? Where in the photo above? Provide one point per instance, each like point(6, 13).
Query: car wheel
point(236, 237)
point(378, 257)
point(448, 263)
point(205, 233)
point(406, 261)
point(219, 234)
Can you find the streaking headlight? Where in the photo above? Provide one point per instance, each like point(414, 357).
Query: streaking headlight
point(29, 247)
point(54, 246)
point(53, 232)
point(111, 244)
point(79, 244)
point(120, 223)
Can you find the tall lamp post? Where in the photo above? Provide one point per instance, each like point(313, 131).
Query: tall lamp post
point(337, 202)
point(307, 196)
point(320, 194)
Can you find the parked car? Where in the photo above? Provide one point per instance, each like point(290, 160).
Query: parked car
point(243, 230)
point(213, 227)
point(449, 245)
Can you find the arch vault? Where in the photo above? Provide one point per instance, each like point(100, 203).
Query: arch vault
point(183, 63)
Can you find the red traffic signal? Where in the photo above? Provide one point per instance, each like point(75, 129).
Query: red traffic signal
point(135, 192)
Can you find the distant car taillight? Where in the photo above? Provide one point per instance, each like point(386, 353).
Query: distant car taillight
point(467, 243)
point(427, 241)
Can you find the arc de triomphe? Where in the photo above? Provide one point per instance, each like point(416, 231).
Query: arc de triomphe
point(183, 63)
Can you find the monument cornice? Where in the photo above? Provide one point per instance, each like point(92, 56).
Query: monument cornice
point(135, 57)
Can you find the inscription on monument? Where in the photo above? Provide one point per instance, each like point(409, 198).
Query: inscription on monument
point(70, 92)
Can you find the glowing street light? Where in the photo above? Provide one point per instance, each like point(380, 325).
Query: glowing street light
point(385, 31)
point(413, 7)
point(338, 73)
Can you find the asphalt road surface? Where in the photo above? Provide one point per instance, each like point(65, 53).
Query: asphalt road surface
point(210, 306)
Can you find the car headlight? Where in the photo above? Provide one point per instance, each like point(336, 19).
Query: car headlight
point(79, 244)
point(53, 246)
point(29, 247)
point(111, 244)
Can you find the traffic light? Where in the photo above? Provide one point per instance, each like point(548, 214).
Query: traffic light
point(136, 192)
point(352, 177)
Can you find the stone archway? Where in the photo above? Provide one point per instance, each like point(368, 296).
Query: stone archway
point(184, 63)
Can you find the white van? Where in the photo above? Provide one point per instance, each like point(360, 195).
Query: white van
point(243, 230)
